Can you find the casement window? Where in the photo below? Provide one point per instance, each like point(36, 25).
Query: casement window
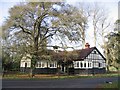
point(88, 64)
point(46, 64)
point(84, 64)
point(70, 66)
point(37, 65)
point(99, 64)
point(103, 64)
point(95, 64)
point(52, 65)
point(74, 64)
point(40, 65)
point(81, 64)
point(94, 52)
point(25, 65)
point(77, 64)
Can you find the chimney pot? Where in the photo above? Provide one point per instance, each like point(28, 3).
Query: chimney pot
point(87, 45)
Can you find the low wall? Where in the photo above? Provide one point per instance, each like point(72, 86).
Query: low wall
point(70, 71)
point(45, 70)
point(90, 71)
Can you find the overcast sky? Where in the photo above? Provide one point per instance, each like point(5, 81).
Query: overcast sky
point(111, 5)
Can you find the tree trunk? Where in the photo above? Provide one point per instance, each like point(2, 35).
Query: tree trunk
point(36, 45)
point(83, 39)
point(95, 36)
point(31, 72)
point(107, 68)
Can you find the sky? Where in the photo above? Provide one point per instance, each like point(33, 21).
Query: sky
point(111, 5)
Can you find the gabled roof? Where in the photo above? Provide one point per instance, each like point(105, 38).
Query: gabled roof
point(83, 53)
point(74, 55)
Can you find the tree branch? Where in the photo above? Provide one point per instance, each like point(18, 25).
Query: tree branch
point(25, 30)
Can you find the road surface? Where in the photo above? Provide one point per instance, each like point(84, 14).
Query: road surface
point(58, 83)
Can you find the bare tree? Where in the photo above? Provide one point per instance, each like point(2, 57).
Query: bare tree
point(100, 21)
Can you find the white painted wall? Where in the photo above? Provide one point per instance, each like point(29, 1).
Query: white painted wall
point(81, 64)
point(26, 59)
point(43, 64)
point(93, 59)
point(52, 64)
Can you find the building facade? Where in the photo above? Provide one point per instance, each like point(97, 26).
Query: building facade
point(88, 61)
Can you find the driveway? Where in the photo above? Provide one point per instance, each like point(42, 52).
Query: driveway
point(58, 83)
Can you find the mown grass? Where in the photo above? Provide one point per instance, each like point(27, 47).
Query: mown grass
point(43, 76)
point(113, 85)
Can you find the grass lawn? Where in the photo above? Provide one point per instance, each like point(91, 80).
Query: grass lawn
point(46, 76)
point(112, 85)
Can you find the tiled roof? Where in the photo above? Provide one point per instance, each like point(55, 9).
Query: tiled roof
point(76, 54)
point(83, 53)
point(73, 55)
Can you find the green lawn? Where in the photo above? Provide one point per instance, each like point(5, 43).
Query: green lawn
point(112, 85)
point(40, 76)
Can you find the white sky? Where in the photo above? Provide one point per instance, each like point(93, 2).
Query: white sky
point(111, 5)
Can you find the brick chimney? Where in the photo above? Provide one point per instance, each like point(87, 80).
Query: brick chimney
point(87, 45)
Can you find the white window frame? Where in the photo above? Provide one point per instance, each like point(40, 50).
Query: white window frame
point(40, 64)
point(95, 64)
point(81, 64)
point(54, 65)
point(76, 64)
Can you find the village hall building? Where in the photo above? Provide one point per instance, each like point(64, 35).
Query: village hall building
point(88, 61)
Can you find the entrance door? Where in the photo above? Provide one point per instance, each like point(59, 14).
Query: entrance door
point(63, 67)
point(25, 65)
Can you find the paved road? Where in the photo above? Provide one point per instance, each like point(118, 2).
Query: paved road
point(57, 83)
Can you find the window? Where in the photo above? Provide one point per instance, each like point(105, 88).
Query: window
point(77, 64)
point(84, 64)
point(81, 64)
point(95, 64)
point(37, 64)
point(88, 64)
point(70, 65)
point(99, 64)
point(29, 64)
point(25, 65)
point(104, 64)
point(55, 65)
point(94, 52)
point(52, 64)
point(42, 65)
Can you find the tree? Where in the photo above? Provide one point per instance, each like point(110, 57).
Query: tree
point(85, 10)
point(113, 48)
point(74, 23)
point(30, 26)
point(100, 22)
